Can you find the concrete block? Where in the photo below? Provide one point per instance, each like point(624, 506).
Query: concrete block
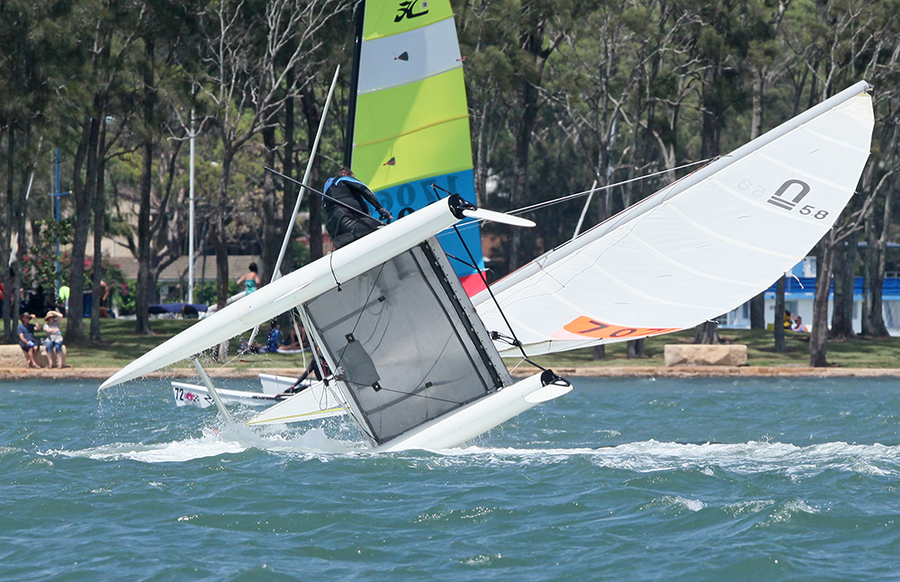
point(705, 355)
point(12, 356)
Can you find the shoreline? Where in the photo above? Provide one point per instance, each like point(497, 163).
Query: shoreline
point(13, 373)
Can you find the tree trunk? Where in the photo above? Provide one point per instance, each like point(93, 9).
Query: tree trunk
point(289, 196)
point(535, 56)
point(818, 336)
point(844, 279)
point(600, 352)
point(217, 232)
point(83, 197)
point(778, 333)
point(144, 294)
point(99, 209)
point(707, 333)
point(876, 314)
point(758, 311)
point(870, 258)
point(314, 201)
point(636, 348)
point(6, 230)
point(272, 235)
point(877, 327)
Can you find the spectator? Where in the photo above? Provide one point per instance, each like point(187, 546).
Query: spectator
point(29, 345)
point(273, 339)
point(54, 341)
point(250, 279)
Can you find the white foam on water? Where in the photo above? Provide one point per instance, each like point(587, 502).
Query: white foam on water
point(745, 458)
point(208, 445)
point(214, 442)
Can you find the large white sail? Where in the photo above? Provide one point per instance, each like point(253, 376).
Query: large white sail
point(698, 248)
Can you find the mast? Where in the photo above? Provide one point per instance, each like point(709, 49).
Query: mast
point(354, 81)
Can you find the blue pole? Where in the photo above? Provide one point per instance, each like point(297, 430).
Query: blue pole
point(57, 194)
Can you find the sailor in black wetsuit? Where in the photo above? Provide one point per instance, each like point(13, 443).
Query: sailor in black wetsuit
point(344, 224)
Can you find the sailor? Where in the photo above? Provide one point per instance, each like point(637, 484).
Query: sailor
point(313, 368)
point(347, 211)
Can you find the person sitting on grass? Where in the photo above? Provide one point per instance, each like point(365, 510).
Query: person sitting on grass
point(273, 339)
point(54, 341)
point(29, 345)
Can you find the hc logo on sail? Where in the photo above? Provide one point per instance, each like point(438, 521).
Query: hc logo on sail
point(779, 198)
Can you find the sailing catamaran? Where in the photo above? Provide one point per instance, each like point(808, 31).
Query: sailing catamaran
point(418, 364)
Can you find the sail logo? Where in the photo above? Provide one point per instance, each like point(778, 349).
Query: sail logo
point(406, 10)
point(779, 198)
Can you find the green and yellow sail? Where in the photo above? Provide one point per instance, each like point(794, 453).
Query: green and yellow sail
point(411, 122)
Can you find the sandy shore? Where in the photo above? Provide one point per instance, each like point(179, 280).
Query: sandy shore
point(604, 371)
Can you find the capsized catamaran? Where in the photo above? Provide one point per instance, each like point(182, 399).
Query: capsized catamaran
point(697, 248)
point(415, 366)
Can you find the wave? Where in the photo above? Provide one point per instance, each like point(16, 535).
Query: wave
point(743, 458)
point(212, 443)
point(642, 457)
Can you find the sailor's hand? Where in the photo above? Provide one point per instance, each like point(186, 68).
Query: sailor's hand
point(385, 215)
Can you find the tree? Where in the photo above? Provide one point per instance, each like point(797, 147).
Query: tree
point(253, 54)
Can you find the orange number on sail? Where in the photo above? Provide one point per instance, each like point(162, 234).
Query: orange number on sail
point(597, 329)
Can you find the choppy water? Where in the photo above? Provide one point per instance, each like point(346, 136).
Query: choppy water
point(694, 480)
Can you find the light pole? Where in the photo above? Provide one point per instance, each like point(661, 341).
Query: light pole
point(56, 195)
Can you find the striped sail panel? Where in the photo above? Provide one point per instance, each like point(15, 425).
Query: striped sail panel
point(410, 56)
point(412, 120)
point(698, 248)
point(413, 157)
point(411, 107)
point(390, 18)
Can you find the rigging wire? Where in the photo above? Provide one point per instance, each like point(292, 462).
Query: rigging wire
point(480, 271)
point(568, 197)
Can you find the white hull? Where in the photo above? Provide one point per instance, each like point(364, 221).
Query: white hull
point(272, 384)
point(195, 395)
point(313, 403)
point(458, 427)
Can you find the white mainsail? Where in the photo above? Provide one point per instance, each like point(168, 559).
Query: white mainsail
point(696, 249)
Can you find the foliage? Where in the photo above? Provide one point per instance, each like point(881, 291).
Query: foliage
point(561, 93)
point(40, 263)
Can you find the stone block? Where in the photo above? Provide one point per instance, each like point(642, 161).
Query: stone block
point(705, 355)
point(12, 356)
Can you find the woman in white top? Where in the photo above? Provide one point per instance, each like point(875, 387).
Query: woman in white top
point(54, 341)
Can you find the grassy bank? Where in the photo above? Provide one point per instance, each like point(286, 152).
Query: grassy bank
point(121, 345)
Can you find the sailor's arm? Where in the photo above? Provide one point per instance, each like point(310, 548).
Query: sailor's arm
point(373, 200)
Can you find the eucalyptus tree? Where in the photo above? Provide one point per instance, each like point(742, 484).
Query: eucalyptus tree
point(250, 53)
point(510, 43)
point(850, 39)
point(487, 39)
point(880, 182)
point(29, 35)
point(104, 41)
point(168, 33)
